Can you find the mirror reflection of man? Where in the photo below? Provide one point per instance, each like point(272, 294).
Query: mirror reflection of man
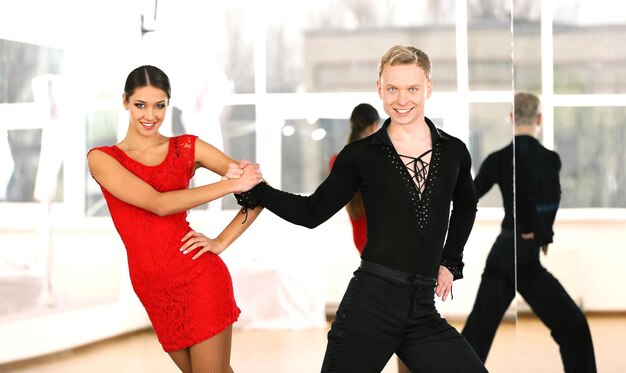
point(537, 193)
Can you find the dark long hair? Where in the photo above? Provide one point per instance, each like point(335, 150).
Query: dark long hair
point(362, 117)
point(144, 76)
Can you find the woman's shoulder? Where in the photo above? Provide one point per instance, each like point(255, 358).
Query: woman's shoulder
point(110, 150)
point(184, 141)
point(186, 137)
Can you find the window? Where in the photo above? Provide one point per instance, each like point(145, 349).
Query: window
point(591, 142)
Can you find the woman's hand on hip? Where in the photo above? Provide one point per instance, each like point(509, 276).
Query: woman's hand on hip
point(201, 244)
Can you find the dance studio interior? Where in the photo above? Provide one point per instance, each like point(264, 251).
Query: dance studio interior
point(274, 82)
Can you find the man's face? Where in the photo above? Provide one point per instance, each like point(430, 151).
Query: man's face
point(404, 90)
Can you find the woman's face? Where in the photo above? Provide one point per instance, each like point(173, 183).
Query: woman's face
point(146, 107)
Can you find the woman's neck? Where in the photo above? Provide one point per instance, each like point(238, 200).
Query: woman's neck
point(134, 142)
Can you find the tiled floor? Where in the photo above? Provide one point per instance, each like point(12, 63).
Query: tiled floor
point(528, 347)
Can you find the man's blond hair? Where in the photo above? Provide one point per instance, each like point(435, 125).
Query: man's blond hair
point(405, 55)
point(526, 108)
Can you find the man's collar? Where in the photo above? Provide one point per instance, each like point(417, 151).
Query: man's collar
point(382, 137)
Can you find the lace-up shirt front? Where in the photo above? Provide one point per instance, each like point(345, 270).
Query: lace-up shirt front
point(410, 225)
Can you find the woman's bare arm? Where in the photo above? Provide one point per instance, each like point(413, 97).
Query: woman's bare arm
point(126, 186)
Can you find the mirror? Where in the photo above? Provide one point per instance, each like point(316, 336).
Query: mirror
point(581, 83)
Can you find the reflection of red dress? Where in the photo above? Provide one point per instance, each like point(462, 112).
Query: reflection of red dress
point(359, 226)
point(188, 301)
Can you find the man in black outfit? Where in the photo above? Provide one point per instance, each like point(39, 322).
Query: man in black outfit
point(537, 196)
point(409, 173)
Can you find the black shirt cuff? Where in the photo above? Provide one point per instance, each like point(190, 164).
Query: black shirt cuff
point(455, 269)
point(249, 199)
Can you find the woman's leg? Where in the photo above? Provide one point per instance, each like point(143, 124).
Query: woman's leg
point(182, 359)
point(213, 355)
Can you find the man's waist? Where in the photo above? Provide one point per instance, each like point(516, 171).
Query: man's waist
point(395, 275)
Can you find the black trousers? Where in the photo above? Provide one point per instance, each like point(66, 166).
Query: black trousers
point(543, 293)
point(385, 311)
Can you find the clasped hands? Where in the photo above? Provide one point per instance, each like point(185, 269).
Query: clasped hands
point(246, 172)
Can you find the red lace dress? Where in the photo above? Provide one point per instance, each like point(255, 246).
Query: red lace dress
point(188, 301)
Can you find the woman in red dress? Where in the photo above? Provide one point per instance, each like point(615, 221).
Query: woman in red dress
point(363, 122)
point(145, 179)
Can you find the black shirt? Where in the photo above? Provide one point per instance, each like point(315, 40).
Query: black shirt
point(404, 232)
point(537, 185)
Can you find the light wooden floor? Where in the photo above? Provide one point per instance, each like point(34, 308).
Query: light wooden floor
point(525, 348)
